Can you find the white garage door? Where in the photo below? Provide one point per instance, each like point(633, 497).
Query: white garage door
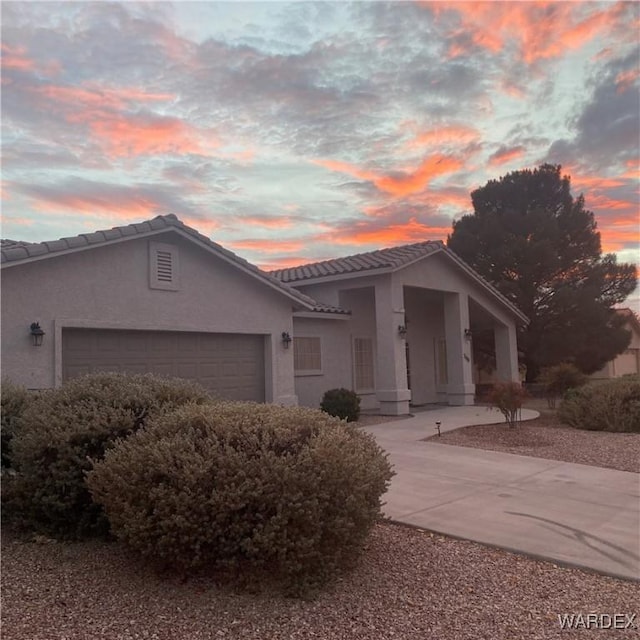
point(230, 365)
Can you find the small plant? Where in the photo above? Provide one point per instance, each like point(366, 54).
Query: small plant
point(341, 403)
point(15, 400)
point(507, 397)
point(613, 405)
point(243, 486)
point(61, 429)
point(559, 379)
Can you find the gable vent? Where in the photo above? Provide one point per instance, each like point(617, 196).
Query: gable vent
point(163, 266)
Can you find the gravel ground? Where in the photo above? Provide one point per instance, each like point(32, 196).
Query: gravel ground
point(409, 585)
point(546, 437)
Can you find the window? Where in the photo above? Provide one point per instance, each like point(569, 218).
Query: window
point(440, 348)
point(307, 355)
point(363, 364)
point(163, 266)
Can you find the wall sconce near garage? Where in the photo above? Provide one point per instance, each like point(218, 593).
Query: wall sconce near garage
point(37, 334)
point(286, 339)
point(402, 331)
point(468, 334)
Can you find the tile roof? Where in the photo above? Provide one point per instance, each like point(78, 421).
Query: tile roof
point(16, 252)
point(630, 316)
point(386, 260)
point(391, 258)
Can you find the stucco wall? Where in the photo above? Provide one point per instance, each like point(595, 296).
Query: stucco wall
point(335, 345)
point(108, 287)
point(439, 273)
point(625, 363)
point(425, 325)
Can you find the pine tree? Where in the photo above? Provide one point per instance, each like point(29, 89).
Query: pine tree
point(540, 247)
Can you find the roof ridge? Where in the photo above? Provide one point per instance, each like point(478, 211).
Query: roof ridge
point(375, 259)
point(17, 250)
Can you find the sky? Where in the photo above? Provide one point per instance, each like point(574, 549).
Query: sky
point(297, 132)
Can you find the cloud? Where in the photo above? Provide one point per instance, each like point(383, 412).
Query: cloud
point(459, 134)
point(506, 154)
point(98, 199)
point(607, 122)
point(400, 183)
point(266, 245)
point(364, 233)
point(534, 31)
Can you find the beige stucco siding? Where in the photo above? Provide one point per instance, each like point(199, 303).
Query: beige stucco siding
point(336, 359)
point(108, 287)
point(439, 273)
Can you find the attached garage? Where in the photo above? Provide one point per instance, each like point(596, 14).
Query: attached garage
point(230, 365)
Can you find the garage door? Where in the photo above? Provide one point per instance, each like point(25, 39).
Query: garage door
point(230, 365)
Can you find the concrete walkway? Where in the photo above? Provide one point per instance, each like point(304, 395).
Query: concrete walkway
point(570, 513)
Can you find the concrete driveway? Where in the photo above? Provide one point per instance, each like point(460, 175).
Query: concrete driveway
point(570, 513)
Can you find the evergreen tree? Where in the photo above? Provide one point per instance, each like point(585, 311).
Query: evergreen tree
point(540, 248)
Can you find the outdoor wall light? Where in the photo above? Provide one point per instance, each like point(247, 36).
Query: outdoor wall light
point(468, 334)
point(37, 334)
point(286, 339)
point(402, 330)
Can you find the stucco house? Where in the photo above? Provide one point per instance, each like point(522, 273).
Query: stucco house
point(395, 325)
point(627, 362)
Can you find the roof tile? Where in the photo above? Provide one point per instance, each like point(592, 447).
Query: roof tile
point(35, 249)
point(51, 247)
point(13, 250)
point(112, 234)
point(16, 253)
point(75, 242)
point(381, 259)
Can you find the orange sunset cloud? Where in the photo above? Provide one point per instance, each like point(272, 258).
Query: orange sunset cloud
point(126, 136)
point(412, 231)
point(16, 58)
point(503, 156)
point(402, 184)
point(267, 245)
point(131, 209)
point(544, 29)
point(457, 134)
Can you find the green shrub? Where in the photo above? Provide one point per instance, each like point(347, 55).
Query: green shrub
point(341, 403)
point(604, 406)
point(287, 490)
point(62, 428)
point(14, 401)
point(507, 397)
point(559, 379)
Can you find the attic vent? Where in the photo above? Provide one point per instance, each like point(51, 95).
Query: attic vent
point(163, 266)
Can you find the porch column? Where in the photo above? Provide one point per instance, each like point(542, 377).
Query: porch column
point(506, 353)
point(391, 370)
point(460, 387)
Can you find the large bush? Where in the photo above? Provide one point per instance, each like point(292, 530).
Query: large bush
point(241, 485)
point(63, 428)
point(559, 379)
point(341, 403)
point(604, 406)
point(15, 400)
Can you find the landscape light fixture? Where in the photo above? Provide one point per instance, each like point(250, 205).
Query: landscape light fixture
point(37, 334)
point(286, 339)
point(438, 425)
